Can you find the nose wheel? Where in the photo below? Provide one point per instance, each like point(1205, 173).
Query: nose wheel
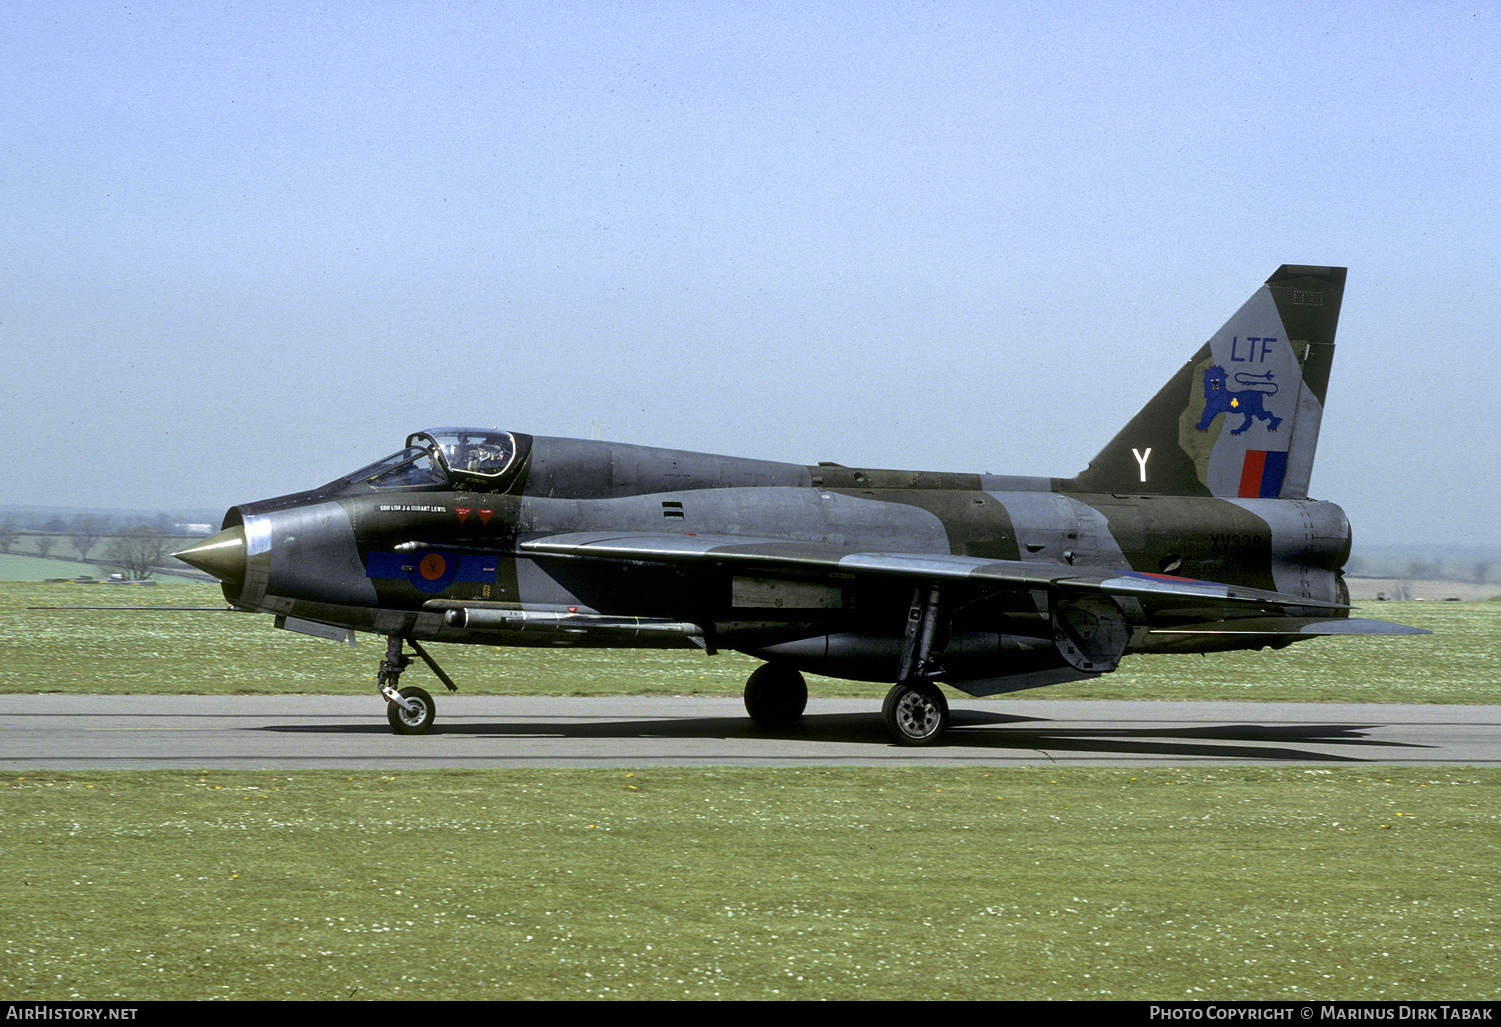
point(410, 710)
point(416, 716)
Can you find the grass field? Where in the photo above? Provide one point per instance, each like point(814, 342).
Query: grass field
point(109, 651)
point(22, 568)
point(1044, 883)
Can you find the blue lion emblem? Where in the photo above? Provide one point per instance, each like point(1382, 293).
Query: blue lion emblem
point(1219, 400)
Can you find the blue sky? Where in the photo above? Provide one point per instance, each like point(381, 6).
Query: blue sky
point(244, 249)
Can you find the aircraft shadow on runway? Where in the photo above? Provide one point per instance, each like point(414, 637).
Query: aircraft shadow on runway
point(969, 729)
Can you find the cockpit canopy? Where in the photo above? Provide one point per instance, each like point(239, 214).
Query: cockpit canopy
point(473, 459)
point(470, 455)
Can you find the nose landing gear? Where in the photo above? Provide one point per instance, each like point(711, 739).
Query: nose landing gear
point(410, 710)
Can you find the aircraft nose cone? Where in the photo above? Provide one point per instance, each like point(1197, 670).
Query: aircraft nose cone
point(222, 555)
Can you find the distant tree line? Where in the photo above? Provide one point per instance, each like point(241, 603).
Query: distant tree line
point(1421, 569)
point(109, 523)
point(135, 551)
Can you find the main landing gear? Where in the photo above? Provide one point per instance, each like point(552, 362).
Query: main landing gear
point(915, 711)
point(410, 710)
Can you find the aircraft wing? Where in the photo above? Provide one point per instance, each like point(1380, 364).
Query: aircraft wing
point(765, 556)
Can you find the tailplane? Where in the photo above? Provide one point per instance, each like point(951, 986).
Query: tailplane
point(1241, 418)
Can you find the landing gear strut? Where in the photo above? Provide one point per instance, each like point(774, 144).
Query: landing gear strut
point(915, 711)
point(409, 710)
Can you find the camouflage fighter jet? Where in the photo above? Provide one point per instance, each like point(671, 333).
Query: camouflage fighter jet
point(1192, 531)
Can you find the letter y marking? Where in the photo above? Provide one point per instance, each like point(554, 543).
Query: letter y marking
point(1141, 458)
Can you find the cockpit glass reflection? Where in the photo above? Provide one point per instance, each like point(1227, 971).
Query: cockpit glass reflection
point(410, 467)
point(473, 457)
point(420, 469)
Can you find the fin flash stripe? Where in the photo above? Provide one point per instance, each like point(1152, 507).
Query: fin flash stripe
point(1261, 474)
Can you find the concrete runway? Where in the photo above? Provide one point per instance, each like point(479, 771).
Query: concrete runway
point(68, 732)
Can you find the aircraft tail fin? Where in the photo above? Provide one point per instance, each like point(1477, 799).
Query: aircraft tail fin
point(1241, 418)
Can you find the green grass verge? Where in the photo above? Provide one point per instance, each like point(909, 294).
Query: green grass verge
point(1044, 883)
point(105, 651)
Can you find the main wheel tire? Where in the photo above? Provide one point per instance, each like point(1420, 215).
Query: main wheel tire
point(915, 714)
point(414, 723)
point(775, 696)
